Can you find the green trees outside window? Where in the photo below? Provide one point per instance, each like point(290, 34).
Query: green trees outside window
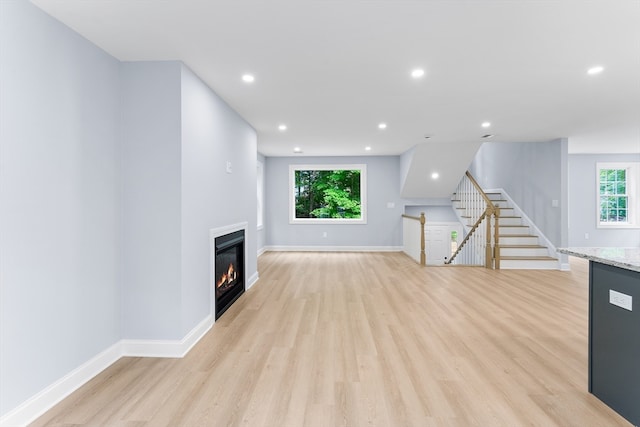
point(328, 193)
point(613, 195)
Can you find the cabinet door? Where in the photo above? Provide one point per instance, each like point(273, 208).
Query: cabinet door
point(614, 340)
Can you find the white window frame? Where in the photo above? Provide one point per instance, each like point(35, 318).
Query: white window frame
point(363, 194)
point(633, 194)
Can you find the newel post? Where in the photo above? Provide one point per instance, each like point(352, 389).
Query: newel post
point(488, 252)
point(496, 239)
point(423, 255)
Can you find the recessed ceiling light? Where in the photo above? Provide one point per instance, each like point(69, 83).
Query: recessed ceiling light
point(282, 127)
point(382, 126)
point(297, 150)
point(248, 78)
point(435, 175)
point(486, 124)
point(595, 70)
point(487, 136)
point(367, 148)
point(417, 73)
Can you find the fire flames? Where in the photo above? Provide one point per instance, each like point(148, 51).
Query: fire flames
point(228, 277)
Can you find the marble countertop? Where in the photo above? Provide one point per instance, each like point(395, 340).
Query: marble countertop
point(627, 258)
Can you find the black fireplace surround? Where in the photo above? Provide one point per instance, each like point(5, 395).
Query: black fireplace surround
point(229, 270)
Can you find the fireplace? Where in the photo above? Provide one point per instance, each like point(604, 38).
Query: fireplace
point(229, 270)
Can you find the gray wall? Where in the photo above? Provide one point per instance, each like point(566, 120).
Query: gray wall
point(60, 227)
point(262, 231)
point(112, 175)
point(405, 165)
point(384, 225)
point(151, 200)
point(433, 213)
point(179, 136)
point(212, 134)
point(583, 203)
point(533, 174)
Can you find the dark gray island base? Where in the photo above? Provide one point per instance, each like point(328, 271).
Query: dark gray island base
point(614, 330)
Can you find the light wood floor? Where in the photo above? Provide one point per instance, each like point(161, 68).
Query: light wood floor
point(347, 339)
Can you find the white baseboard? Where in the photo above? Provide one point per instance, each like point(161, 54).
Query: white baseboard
point(334, 248)
point(44, 400)
point(261, 251)
point(252, 280)
point(40, 403)
point(167, 348)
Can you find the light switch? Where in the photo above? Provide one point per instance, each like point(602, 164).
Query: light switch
point(229, 170)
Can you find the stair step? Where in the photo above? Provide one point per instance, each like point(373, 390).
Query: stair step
point(515, 239)
point(523, 250)
point(528, 263)
point(511, 230)
point(510, 220)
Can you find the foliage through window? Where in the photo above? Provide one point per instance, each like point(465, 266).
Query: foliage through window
point(617, 194)
point(328, 193)
point(613, 195)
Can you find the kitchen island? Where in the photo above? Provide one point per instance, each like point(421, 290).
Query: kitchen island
point(614, 327)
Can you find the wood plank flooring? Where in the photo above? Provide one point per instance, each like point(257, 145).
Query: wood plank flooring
point(368, 339)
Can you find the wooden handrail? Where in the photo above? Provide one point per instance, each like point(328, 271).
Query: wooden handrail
point(467, 237)
point(423, 220)
point(492, 259)
point(482, 193)
point(417, 218)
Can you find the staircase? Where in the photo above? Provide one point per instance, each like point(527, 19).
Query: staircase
point(520, 246)
point(515, 245)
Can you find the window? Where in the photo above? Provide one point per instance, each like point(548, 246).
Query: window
point(618, 195)
point(327, 194)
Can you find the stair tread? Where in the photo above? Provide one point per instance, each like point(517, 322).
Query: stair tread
point(528, 258)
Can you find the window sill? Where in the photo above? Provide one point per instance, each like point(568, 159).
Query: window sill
point(618, 227)
point(328, 221)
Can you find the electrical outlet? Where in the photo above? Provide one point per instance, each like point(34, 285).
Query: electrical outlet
point(621, 300)
point(324, 234)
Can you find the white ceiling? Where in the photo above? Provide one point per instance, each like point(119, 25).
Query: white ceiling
point(331, 70)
